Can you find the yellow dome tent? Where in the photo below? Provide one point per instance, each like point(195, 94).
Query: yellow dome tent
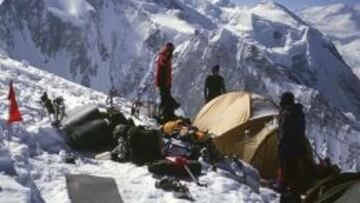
point(243, 124)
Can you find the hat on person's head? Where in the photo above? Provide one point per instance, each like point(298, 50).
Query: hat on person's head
point(215, 68)
point(287, 99)
point(170, 46)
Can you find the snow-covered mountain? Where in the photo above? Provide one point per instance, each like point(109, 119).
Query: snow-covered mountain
point(342, 25)
point(266, 49)
point(32, 167)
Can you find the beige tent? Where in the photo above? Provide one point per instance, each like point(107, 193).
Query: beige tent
point(243, 124)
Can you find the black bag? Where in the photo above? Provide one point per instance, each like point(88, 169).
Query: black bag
point(91, 136)
point(115, 117)
point(144, 145)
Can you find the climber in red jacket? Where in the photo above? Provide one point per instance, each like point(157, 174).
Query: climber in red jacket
point(163, 82)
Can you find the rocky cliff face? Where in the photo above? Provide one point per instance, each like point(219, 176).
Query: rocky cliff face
point(341, 24)
point(267, 50)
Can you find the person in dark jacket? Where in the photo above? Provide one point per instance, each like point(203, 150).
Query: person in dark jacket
point(110, 98)
point(291, 147)
point(214, 84)
point(164, 80)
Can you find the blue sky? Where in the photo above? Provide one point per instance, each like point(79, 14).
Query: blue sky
point(296, 4)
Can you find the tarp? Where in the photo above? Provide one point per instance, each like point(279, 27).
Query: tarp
point(80, 115)
point(341, 188)
point(92, 189)
point(351, 195)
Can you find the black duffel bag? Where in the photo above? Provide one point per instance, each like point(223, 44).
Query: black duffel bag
point(92, 135)
point(144, 145)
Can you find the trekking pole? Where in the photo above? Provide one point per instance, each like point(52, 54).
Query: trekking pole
point(180, 161)
point(193, 177)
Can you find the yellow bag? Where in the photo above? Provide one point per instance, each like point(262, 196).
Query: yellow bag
point(172, 126)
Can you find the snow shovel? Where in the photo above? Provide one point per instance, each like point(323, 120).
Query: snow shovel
point(180, 161)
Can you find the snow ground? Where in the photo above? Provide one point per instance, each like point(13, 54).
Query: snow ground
point(36, 150)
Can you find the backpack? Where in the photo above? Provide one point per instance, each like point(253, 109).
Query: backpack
point(46, 103)
point(144, 145)
point(177, 147)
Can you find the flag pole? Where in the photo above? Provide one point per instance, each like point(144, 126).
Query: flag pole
point(9, 134)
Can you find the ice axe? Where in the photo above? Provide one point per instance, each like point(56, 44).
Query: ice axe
point(181, 161)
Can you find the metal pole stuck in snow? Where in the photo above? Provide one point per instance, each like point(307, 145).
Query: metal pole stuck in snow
point(8, 135)
point(193, 177)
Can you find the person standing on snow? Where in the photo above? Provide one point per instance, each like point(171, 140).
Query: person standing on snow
point(110, 98)
point(164, 80)
point(291, 147)
point(214, 84)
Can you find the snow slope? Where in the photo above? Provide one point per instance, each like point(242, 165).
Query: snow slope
point(32, 152)
point(342, 24)
point(266, 50)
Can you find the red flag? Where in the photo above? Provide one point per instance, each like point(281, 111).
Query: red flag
point(14, 113)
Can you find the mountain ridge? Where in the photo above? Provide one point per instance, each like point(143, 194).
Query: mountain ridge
point(341, 24)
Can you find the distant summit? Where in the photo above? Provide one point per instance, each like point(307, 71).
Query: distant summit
point(341, 23)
